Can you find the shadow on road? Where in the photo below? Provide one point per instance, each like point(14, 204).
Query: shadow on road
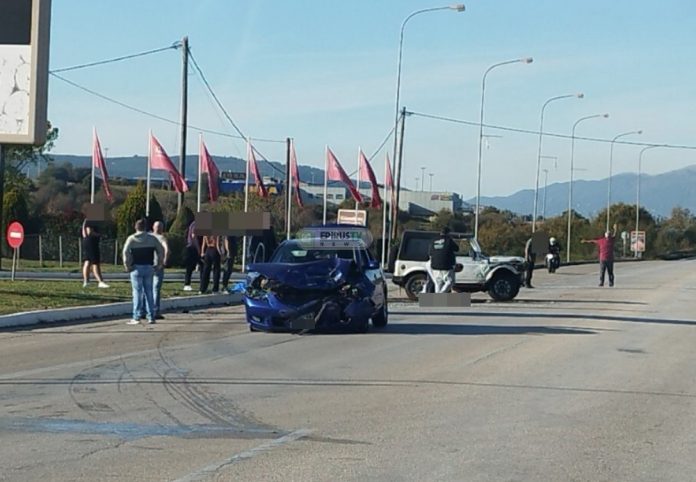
point(555, 316)
point(447, 329)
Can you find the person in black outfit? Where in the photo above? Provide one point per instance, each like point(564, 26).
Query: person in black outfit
point(231, 252)
point(192, 258)
point(92, 255)
point(443, 259)
point(530, 257)
point(210, 252)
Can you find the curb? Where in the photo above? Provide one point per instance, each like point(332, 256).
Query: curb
point(112, 310)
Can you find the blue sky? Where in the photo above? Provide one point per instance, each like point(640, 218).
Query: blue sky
point(324, 72)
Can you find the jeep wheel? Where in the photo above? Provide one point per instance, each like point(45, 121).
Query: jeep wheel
point(414, 285)
point(503, 287)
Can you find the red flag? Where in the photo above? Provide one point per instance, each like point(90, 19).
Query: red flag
point(335, 172)
point(160, 160)
point(208, 166)
point(295, 175)
point(366, 172)
point(263, 192)
point(98, 163)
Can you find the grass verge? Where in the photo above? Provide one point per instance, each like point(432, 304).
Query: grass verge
point(25, 295)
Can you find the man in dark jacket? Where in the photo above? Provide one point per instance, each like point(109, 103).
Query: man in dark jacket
point(442, 261)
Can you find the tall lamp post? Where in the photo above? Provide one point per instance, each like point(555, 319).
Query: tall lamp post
point(611, 157)
point(457, 8)
point(570, 185)
point(541, 134)
point(527, 60)
point(546, 181)
point(640, 161)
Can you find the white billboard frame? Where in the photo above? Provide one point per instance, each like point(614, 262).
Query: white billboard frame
point(34, 132)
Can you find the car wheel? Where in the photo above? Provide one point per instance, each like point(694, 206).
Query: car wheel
point(382, 318)
point(362, 326)
point(503, 287)
point(252, 328)
point(414, 285)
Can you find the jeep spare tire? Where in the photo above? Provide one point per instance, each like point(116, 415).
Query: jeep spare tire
point(414, 285)
point(503, 287)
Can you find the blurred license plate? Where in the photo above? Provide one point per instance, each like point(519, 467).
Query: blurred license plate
point(304, 322)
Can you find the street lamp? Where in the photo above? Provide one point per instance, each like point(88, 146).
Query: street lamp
point(546, 180)
point(541, 134)
point(457, 8)
point(431, 181)
point(640, 160)
point(570, 185)
point(422, 179)
point(611, 156)
point(527, 60)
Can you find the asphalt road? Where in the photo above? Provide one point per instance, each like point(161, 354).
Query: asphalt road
point(569, 382)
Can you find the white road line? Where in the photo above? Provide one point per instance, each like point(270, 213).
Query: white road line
point(210, 470)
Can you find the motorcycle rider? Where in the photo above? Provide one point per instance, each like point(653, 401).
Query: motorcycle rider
point(555, 251)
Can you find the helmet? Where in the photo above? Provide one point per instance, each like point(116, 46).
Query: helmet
point(552, 240)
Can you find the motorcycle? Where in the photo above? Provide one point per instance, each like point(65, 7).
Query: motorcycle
point(552, 262)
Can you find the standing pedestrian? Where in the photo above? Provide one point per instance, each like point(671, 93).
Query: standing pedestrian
point(530, 258)
point(605, 247)
point(231, 253)
point(92, 255)
point(210, 252)
point(192, 258)
point(443, 260)
point(158, 279)
point(142, 255)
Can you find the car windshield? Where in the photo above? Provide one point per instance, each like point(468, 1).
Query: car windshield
point(292, 252)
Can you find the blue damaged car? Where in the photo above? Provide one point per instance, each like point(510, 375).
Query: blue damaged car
point(307, 287)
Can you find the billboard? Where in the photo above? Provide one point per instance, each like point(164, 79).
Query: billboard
point(638, 241)
point(24, 41)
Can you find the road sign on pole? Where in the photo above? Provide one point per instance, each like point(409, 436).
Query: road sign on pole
point(15, 235)
point(15, 238)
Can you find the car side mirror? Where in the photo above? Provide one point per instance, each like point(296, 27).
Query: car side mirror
point(373, 264)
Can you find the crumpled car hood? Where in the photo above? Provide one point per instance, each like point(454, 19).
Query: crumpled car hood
point(324, 274)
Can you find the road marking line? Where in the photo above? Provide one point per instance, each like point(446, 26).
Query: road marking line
point(210, 470)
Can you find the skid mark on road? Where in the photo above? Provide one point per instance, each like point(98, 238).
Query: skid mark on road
point(212, 469)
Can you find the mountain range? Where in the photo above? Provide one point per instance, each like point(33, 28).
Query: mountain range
point(660, 193)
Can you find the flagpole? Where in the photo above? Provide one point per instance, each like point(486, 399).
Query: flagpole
point(200, 170)
point(326, 178)
point(147, 190)
point(94, 144)
point(357, 204)
point(246, 203)
point(290, 151)
point(384, 215)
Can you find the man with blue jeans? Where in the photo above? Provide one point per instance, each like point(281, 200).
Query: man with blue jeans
point(143, 254)
point(158, 277)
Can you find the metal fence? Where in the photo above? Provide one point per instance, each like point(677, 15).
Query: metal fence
point(66, 249)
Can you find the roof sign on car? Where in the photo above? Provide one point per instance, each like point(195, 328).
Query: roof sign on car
point(333, 237)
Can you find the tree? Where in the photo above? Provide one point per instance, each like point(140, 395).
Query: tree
point(18, 158)
point(133, 208)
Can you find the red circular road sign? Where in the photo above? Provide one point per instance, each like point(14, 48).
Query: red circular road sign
point(15, 235)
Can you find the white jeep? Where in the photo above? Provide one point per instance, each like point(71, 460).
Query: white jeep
point(499, 276)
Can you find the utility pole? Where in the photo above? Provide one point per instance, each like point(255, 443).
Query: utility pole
point(398, 173)
point(184, 113)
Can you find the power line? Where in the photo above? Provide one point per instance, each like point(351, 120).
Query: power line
point(224, 111)
point(174, 46)
point(150, 114)
point(549, 134)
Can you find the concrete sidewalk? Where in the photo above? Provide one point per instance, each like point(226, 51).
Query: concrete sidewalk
point(112, 310)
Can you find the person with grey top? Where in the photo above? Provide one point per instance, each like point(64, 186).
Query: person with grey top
point(143, 254)
point(158, 277)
